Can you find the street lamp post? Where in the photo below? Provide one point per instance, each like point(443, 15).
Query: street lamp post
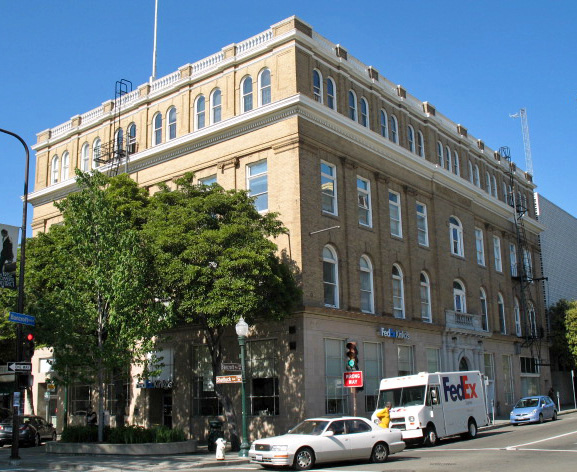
point(242, 333)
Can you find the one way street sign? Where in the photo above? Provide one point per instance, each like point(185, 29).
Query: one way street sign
point(20, 367)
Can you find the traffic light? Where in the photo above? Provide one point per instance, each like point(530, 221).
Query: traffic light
point(28, 347)
point(352, 356)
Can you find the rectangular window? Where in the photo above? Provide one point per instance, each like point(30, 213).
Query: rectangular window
point(513, 259)
point(211, 179)
point(329, 188)
point(528, 263)
point(373, 373)
point(480, 246)
point(497, 250)
point(114, 399)
point(433, 359)
point(508, 379)
point(489, 366)
point(364, 196)
point(79, 399)
point(335, 393)
point(422, 224)
point(395, 214)
point(257, 184)
point(529, 365)
point(204, 400)
point(406, 362)
point(263, 374)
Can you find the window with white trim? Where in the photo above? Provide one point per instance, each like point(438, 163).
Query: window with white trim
point(55, 170)
point(336, 395)
point(476, 178)
point(257, 184)
point(364, 199)
point(459, 297)
point(488, 179)
point(65, 165)
point(384, 124)
point(456, 236)
point(448, 164)
point(489, 362)
point(330, 277)
point(215, 106)
point(211, 179)
point(395, 214)
point(440, 155)
point(494, 187)
point(200, 112)
point(157, 129)
point(425, 295)
point(398, 292)
point(373, 373)
point(264, 88)
point(513, 259)
point(480, 246)
point(85, 157)
point(433, 356)
point(246, 94)
point(532, 319)
point(364, 112)
point(517, 312)
point(352, 105)
point(131, 144)
point(497, 254)
point(411, 138)
point(331, 94)
point(528, 263)
point(96, 148)
point(470, 171)
point(420, 144)
point(406, 363)
point(366, 275)
point(394, 129)
point(171, 126)
point(456, 164)
point(422, 224)
point(317, 86)
point(329, 188)
point(484, 309)
point(501, 311)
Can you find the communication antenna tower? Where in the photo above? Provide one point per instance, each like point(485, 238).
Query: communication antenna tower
point(527, 143)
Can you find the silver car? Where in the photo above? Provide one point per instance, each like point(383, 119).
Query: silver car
point(327, 440)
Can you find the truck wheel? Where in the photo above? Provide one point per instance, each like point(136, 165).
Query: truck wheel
point(471, 430)
point(430, 436)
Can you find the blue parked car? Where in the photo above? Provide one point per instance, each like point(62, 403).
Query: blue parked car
point(534, 409)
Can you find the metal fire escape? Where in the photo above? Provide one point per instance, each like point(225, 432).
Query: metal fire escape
point(118, 149)
point(532, 332)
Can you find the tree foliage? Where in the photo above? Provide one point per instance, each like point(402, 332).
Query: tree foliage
point(559, 347)
point(571, 326)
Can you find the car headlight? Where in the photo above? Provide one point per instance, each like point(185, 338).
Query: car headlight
point(411, 418)
point(534, 411)
point(277, 448)
point(251, 447)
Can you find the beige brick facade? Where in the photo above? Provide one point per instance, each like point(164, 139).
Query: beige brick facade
point(294, 134)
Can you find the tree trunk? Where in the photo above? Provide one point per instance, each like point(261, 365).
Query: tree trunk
point(230, 416)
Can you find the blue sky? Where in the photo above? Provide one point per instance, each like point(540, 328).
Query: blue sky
point(475, 61)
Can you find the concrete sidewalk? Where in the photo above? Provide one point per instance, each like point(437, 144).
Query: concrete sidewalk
point(36, 459)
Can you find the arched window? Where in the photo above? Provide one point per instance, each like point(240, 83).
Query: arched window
point(456, 235)
point(171, 129)
point(425, 291)
point(96, 153)
point(330, 277)
point(517, 311)
point(532, 319)
point(85, 157)
point(55, 173)
point(494, 179)
point(364, 112)
point(317, 86)
point(394, 129)
point(331, 94)
point(65, 165)
point(456, 164)
point(384, 124)
point(411, 138)
point(459, 297)
point(215, 106)
point(246, 94)
point(501, 309)
point(157, 129)
point(476, 178)
point(448, 158)
point(488, 179)
point(366, 274)
point(440, 154)
point(484, 311)
point(264, 88)
point(420, 144)
point(471, 172)
point(131, 139)
point(398, 292)
point(352, 105)
point(463, 365)
point(199, 112)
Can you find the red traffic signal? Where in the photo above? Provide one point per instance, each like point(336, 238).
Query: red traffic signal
point(30, 337)
point(28, 347)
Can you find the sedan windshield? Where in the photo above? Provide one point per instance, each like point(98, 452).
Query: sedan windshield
point(402, 397)
point(527, 403)
point(313, 427)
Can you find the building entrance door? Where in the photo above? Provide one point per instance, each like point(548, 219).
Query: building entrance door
point(167, 409)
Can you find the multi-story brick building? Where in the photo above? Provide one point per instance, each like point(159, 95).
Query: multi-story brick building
point(399, 224)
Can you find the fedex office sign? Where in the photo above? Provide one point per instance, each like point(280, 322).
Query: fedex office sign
point(461, 391)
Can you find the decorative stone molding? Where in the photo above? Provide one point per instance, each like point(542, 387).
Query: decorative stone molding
point(222, 165)
point(341, 52)
point(373, 73)
point(497, 156)
point(185, 71)
point(401, 92)
point(229, 51)
point(480, 145)
point(292, 23)
point(144, 90)
point(76, 120)
point(108, 106)
point(429, 109)
point(462, 130)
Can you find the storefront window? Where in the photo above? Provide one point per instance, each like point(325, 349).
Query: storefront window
point(373, 373)
point(335, 394)
point(433, 359)
point(406, 363)
point(80, 399)
point(263, 374)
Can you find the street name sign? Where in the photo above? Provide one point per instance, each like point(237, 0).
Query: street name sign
point(231, 367)
point(19, 367)
point(228, 379)
point(353, 379)
point(22, 319)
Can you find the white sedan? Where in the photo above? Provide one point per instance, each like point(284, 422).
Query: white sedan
point(327, 440)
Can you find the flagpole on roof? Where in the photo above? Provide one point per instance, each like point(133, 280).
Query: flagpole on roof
point(153, 76)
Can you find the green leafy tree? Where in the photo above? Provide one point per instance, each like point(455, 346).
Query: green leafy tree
point(559, 347)
point(89, 284)
point(217, 263)
point(8, 303)
point(571, 325)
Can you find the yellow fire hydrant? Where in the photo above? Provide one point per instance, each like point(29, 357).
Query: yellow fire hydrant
point(220, 446)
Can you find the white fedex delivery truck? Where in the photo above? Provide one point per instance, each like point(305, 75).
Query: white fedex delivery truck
point(430, 406)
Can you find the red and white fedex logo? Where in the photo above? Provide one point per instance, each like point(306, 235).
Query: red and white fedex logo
point(462, 391)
